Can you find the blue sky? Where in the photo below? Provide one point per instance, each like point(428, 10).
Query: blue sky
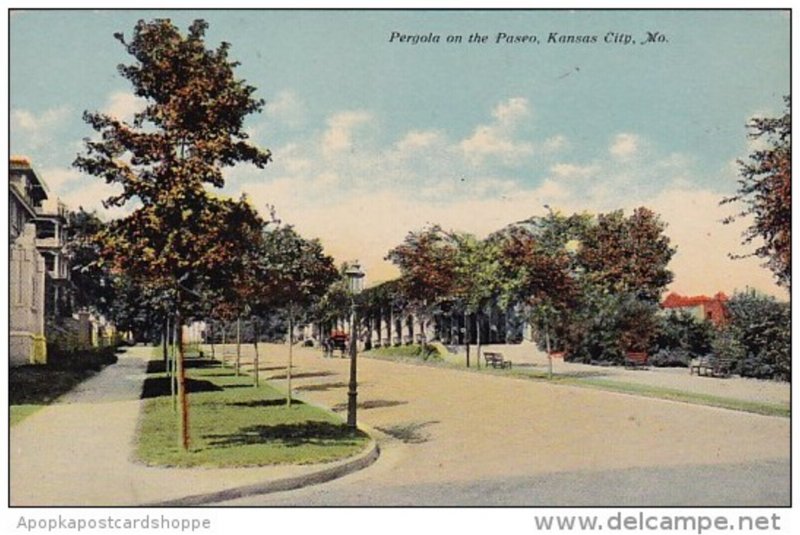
point(373, 138)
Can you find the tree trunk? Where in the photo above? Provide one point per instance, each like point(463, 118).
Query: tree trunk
point(165, 340)
point(238, 345)
point(182, 387)
point(478, 339)
point(256, 359)
point(390, 327)
point(224, 332)
point(549, 354)
point(173, 366)
point(211, 339)
point(466, 335)
point(289, 368)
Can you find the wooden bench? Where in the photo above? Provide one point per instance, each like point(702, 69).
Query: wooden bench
point(635, 360)
point(711, 366)
point(495, 360)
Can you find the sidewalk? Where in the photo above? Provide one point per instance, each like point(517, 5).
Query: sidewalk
point(78, 451)
point(741, 388)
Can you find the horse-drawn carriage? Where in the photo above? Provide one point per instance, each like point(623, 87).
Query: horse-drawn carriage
point(338, 340)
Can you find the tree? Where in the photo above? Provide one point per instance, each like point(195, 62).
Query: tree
point(293, 274)
point(428, 262)
point(477, 279)
point(190, 129)
point(535, 267)
point(621, 267)
point(761, 325)
point(629, 254)
point(765, 189)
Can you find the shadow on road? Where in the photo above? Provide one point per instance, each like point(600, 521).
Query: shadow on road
point(277, 402)
point(322, 386)
point(409, 433)
point(372, 404)
point(302, 375)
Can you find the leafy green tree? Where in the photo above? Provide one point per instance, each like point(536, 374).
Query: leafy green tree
point(428, 261)
point(627, 255)
point(191, 127)
point(765, 190)
point(292, 274)
point(535, 273)
point(762, 326)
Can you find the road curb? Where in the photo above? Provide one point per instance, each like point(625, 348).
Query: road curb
point(340, 469)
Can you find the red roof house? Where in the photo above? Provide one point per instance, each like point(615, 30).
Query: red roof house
point(701, 307)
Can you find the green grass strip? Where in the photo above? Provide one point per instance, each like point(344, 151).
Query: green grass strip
point(20, 412)
point(756, 407)
point(235, 424)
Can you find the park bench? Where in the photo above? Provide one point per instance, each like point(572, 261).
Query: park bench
point(495, 360)
point(711, 366)
point(635, 359)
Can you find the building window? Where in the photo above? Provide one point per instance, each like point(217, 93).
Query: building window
point(45, 229)
point(49, 262)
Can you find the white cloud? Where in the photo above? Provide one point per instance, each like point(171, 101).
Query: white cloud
point(339, 135)
point(123, 106)
point(30, 122)
point(361, 206)
point(624, 145)
point(496, 140)
point(59, 179)
point(286, 108)
point(511, 111)
point(416, 140)
point(31, 132)
point(90, 196)
point(571, 170)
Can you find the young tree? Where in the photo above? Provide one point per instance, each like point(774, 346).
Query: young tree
point(294, 274)
point(765, 189)
point(190, 129)
point(535, 265)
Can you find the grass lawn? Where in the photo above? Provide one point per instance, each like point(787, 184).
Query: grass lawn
point(407, 354)
point(235, 424)
point(769, 409)
point(31, 387)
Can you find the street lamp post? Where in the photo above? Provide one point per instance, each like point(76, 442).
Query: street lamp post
point(355, 279)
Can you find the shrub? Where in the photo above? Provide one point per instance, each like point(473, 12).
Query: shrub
point(758, 335)
point(674, 357)
point(681, 337)
point(608, 326)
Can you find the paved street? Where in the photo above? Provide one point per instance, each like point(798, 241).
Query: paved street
point(450, 437)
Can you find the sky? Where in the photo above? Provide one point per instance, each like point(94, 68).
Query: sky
point(375, 132)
